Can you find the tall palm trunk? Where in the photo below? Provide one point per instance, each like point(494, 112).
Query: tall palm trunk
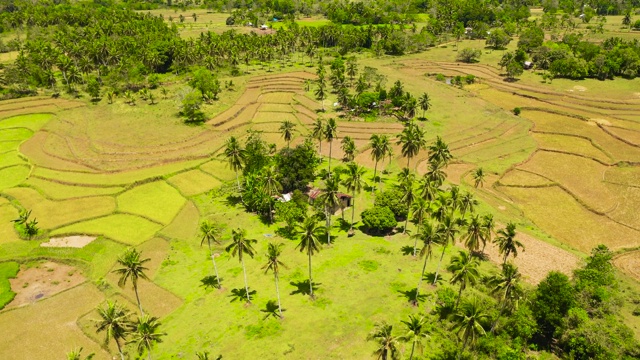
point(413, 347)
point(246, 287)
point(310, 278)
point(424, 266)
point(135, 290)
point(459, 294)
point(353, 209)
point(328, 226)
point(406, 223)
point(330, 147)
point(320, 146)
point(435, 280)
point(215, 267)
point(408, 161)
point(238, 180)
point(278, 293)
point(119, 349)
point(415, 243)
point(464, 345)
point(375, 171)
point(495, 323)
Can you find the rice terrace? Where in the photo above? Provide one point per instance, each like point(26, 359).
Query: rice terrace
point(319, 180)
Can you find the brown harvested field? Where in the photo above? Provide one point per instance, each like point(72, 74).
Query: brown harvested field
point(42, 281)
point(522, 178)
point(276, 97)
point(629, 262)
point(537, 259)
point(277, 108)
point(571, 144)
point(271, 117)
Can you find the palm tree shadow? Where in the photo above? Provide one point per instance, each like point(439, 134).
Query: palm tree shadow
point(240, 294)
point(410, 295)
point(429, 277)
point(210, 281)
point(302, 287)
point(344, 225)
point(233, 200)
point(271, 310)
point(407, 250)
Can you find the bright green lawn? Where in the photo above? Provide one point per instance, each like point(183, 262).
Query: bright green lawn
point(124, 228)
point(157, 201)
point(8, 270)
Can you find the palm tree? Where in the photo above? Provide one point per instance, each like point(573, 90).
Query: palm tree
point(504, 283)
point(286, 129)
point(236, 156)
point(211, 233)
point(409, 195)
point(114, 321)
point(318, 132)
point(239, 247)
point(425, 103)
point(354, 183)
point(436, 174)
point(330, 199)
point(487, 228)
point(478, 177)
point(465, 271)
point(387, 343)
point(349, 148)
point(439, 152)
point(467, 202)
point(76, 354)
point(468, 322)
point(420, 209)
point(321, 91)
point(449, 229)
point(330, 133)
point(310, 233)
point(273, 264)
point(270, 185)
point(475, 234)
point(131, 268)
point(145, 334)
point(412, 139)
point(380, 147)
point(507, 242)
point(430, 235)
point(416, 333)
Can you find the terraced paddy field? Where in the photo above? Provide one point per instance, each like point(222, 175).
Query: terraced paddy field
point(565, 170)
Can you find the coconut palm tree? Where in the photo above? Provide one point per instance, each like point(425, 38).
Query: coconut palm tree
point(478, 177)
point(318, 132)
point(114, 322)
point(273, 264)
point(507, 242)
point(146, 334)
point(487, 228)
point(439, 152)
point(468, 323)
point(269, 178)
point(330, 199)
point(467, 202)
point(380, 147)
point(310, 232)
point(76, 354)
point(211, 234)
point(504, 283)
point(412, 140)
point(416, 333)
point(330, 133)
point(354, 183)
point(449, 226)
point(132, 268)
point(465, 271)
point(475, 234)
point(409, 194)
point(349, 148)
point(420, 209)
point(235, 155)
point(425, 103)
point(239, 247)
point(387, 343)
point(430, 235)
point(286, 129)
point(321, 90)
point(436, 174)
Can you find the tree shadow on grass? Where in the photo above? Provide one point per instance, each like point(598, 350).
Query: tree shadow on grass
point(210, 281)
point(407, 250)
point(240, 294)
point(429, 277)
point(344, 225)
point(302, 287)
point(271, 310)
point(233, 200)
point(410, 295)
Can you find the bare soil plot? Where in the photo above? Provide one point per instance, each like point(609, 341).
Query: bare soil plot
point(42, 281)
point(74, 241)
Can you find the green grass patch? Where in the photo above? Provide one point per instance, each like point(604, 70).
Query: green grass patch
point(12, 176)
point(185, 225)
point(59, 191)
point(32, 121)
point(157, 201)
point(125, 228)
point(16, 134)
point(9, 159)
point(8, 270)
point(194, 182)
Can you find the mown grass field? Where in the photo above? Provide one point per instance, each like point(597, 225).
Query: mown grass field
point(563, 171)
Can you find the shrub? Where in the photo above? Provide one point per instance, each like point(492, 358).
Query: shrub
point(441, 77)
point(470, 79)
point(393, 200)
point(468, 55)
point(379, 219)
point(516, 111)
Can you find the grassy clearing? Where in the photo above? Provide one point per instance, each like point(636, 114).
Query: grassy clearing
point(12, 176)
point(32, 121)
point(524, 179)
point(157, 201)
point(124, 228)
point(219, 170)
point(57, 191)
point(571, 144)
point(8, 270)
point(53, 214)
point(10, 158)
point(185, 224)
point(193, 182)
point(7, 213)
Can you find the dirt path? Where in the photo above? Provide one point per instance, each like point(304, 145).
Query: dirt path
point(46, 279)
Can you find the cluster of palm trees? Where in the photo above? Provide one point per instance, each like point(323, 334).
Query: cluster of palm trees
point(116, 321)
point(388, 344)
